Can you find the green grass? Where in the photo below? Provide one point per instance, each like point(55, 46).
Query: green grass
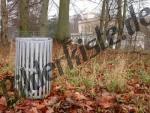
point(144, 77)
point(78, 80)
point(115, 80)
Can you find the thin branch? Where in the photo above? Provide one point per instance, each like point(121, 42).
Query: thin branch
point(14, 4)
point(35, 3)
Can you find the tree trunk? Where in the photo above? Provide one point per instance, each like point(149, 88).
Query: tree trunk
point(63, 21)
point(124, 13)
point(4, 42)
point(102, 16)
point(106, 19)
point(120, 22)
point(4, 23)
point(44, 18)
point(24, 17)
point(102, 24)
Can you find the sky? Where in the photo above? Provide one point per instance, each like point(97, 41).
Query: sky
point(85, 6)
point(76, 6)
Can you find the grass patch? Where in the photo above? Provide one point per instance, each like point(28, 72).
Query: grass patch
point(116, 80)
point(144, 77)
point(116, 83)
point(75, 78)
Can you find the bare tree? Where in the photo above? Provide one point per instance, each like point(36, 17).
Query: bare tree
point(120, 21)
point(63, 21)
point(124, 12)
point(24, 17)
point(44, 18)
point(102, 17)
point(4, 23)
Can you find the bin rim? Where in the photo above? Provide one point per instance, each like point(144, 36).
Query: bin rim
point(34, 38)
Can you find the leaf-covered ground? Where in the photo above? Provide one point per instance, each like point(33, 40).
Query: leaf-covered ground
point(111, 82)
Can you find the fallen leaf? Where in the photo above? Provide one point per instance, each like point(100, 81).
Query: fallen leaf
point(107, 101)
point(79, 96)
point(73, 111)
point(68, 93)
point(50, 110)
point(51, 101)
point(2, 108)
point(72, 102)
point(21, 107)
point(33, 110)
point(20, 111)
point(89, 102)
point(56, 88)
point(27, 102)
point(44, 109)
point(9, 111)
point(3, 101)
point(10, 93)
point(69, 86)
point(89, 108)
point(87, 70)
point(39, 105)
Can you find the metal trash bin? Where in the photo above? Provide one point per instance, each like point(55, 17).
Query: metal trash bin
point(32, 79)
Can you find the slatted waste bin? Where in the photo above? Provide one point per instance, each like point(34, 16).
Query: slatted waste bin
point(32, 78)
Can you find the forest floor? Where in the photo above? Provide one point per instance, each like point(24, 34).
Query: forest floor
point(112, 82)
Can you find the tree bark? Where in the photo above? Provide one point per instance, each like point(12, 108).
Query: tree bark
point(63, 21)
point(44, 18)
point(4, 41)
point(4, 23)
point(106, 20)
point(102, 25)
point(124, 13)
point(102, 16)
point(24, 17)
point(120, 22)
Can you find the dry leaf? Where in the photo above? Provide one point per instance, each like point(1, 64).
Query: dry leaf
point(50, 110)
point(39, 105)
point(107, 101)
point(58, 87)
point(3, 101)
point(21, 107)
point(79, 96)
point(9, 111)
point(68, 93)
point(69, 86)
point(2, 108)
point(87, 70)
point(89, 102)
point(33, 110)
point(51, 101)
